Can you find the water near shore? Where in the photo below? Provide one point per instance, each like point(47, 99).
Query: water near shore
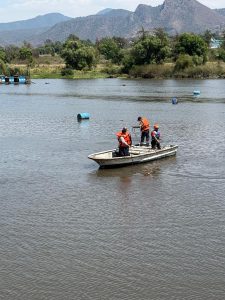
point(71, 231)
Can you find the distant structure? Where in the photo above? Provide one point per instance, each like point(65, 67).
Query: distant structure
point(16, 79)
point(215, 44)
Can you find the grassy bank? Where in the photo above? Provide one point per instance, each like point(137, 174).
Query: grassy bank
point(53, 70)
point(209, 70)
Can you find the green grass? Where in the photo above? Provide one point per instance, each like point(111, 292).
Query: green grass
point(152, 71)
point(47, 71)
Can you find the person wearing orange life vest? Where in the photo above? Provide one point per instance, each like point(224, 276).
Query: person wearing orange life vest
point(125, 141)
point(155, 135)
point(144, 126)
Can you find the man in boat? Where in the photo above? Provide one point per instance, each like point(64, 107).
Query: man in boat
point(155, 135)
point(125, 141)
point(144, 126)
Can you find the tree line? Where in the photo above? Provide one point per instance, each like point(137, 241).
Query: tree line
point(184, 50)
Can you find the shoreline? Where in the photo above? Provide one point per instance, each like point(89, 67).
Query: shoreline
point(211, 70)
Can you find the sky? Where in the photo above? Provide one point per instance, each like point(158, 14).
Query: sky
point(14, 10)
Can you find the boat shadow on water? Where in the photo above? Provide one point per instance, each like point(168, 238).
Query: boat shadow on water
point(138, 154)
point(150, 169)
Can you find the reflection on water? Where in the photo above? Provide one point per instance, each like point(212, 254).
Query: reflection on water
point(148, 231)
point(151, 169)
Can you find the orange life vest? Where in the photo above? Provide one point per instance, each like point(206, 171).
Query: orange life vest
point(127, 138)
point(144, 124)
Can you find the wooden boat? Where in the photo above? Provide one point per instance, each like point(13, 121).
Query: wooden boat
point(138, 154)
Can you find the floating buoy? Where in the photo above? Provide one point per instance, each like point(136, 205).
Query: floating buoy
point(196, 93)
point(174, 100)
point(83, 116)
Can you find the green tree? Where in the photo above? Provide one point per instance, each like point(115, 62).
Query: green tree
point(3, 68)
point(12, 52)
point(223, 42)
point(142, 33)
point(183, 61)
point(25, 54)
point(121, 42)
point(221, 54)
point(77, 55)
point(192, 45)
point(150, 49)
point(207, 36)
point(110, 49)
point(127, 60)
point(162, 35)
point(2, 55)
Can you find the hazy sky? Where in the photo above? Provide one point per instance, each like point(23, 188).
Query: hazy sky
point(13, 10)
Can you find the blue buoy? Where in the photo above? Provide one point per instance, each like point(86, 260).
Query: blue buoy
point(83, 116)
point(174, 100)
point(11, 79)
point(196, 93)
point(22, 79)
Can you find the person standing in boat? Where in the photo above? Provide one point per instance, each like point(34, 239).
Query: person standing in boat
point(125, 141)
point(144, 126)
point(155, 137)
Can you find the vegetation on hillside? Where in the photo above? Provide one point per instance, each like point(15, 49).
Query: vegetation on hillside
point(151, 55)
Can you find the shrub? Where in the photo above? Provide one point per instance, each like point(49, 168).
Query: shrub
point(184, 61)
point(67, 72)
point(221, 54)
point(111, 69)
point(152, 71)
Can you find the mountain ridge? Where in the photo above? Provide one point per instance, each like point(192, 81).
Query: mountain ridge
point(40, 21)
point(175, 16)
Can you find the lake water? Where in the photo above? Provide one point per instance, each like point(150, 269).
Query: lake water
point(72, 231)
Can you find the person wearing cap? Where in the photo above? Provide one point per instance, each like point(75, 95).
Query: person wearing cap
point(144, 126)
point(125, 141)
point(155, 135)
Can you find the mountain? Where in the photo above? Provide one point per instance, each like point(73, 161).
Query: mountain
point(18, 32)
point(175, 16)
point(17, 37)
point(92, 27)
point(44, 21)
point(183, 15)
point(104, 11)
point(220, 11)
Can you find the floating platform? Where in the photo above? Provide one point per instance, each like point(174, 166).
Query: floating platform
point(16, 79)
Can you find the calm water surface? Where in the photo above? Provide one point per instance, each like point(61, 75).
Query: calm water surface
point(72, 231)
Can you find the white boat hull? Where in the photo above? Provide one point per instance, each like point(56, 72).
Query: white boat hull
point(138, 154)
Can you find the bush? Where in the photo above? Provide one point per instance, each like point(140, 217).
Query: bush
point(184, 61)
point(111, 69)
point(209, 70)
point(152, 71)
point(221, 54)
point(67, 72)
point(198, 60)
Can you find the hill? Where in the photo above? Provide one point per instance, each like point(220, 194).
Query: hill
point(19, 31)
point(173, 15)
point(44, 21)
point(220, 11)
